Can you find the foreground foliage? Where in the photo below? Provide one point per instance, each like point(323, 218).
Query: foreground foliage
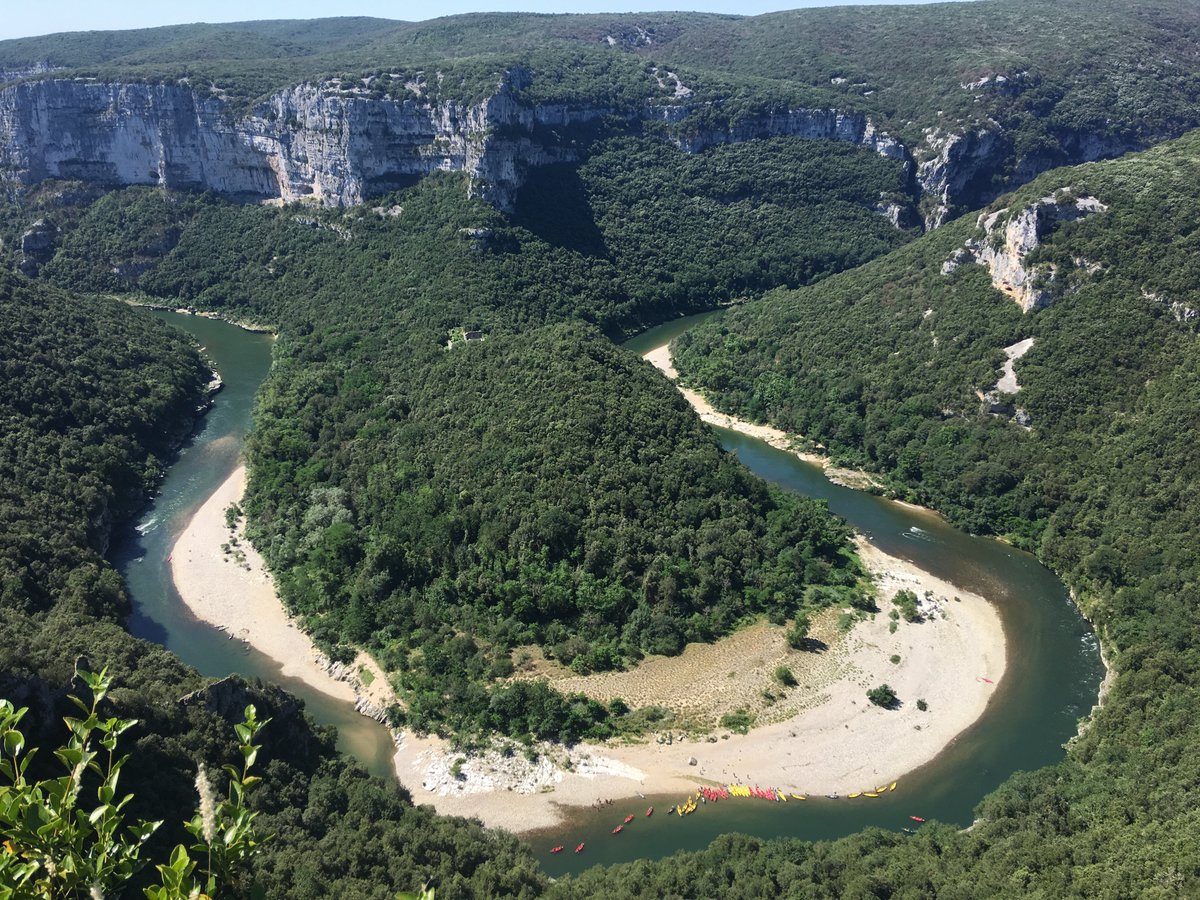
point(55, 847)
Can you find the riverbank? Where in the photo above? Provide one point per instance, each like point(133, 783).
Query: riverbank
point(820, 737)
point(223, 581)
point(253, 327)
point(660, 358)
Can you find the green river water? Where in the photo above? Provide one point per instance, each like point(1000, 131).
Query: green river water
point(1053, 673)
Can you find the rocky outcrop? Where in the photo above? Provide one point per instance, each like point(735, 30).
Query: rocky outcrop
point(1008, 239)
point(336, 147)
point(966, 170)
point(951, 166)
point(1000, 399)
point(814, 124)
point(37, 246)
point(1180, 311)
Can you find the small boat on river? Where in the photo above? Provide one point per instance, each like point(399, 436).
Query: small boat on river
point(629, 818)
point(649, 812)
point(916, 818)
point(579, 849)
point(618, 829)
point(558, 849)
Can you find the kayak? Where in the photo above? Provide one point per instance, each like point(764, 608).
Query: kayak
point(916, 818)
point(893, 787)
point(870, 794)
point(852, 796)
point(558, 849)
point(649, 812)
point(799, 797)
point(629, 818)
point(579, 849)
point(618, 829)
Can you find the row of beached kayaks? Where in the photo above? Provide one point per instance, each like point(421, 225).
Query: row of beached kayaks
point(878, 792)
point(729, 791)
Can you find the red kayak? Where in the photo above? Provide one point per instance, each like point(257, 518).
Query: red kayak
point(649, 812)
point(629, 818)
point(558, 849)
point(618, 829)
point(579, 849)
point(916, 818)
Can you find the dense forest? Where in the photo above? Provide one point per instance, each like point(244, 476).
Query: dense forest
point(444, 501)
point(94, 399)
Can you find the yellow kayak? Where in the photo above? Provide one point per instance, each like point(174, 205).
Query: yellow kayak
point(893, 787)
point(799, 797)
point(782, 796)
point(881, 790)
point(852, 796)
point(870, 794)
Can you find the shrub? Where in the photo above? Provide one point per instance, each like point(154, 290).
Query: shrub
point(906, 602)
point(798, 633)
point(882, 696)
point(739, 721)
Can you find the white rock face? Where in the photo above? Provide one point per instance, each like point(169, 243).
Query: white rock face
point(1003, 250)
point(305, 143)
point(315, 142)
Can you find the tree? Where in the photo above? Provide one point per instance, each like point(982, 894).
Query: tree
point(882, 696)
point(798, 633)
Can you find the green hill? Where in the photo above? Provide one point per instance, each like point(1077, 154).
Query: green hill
point(1101, 485)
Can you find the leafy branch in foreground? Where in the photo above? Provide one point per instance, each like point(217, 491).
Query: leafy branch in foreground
point(56, 846)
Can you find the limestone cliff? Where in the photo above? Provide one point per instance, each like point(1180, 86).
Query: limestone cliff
point(967, 169)
point(322, 143)
point(1009, 236)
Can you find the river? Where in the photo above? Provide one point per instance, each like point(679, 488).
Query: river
point(1052, 679)
point(243, 358)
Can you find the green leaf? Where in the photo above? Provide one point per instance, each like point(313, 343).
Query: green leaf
point(14, 742)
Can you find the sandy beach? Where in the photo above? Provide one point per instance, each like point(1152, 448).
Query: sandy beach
point(822, 737)
point(234, 591)
point(660, 357)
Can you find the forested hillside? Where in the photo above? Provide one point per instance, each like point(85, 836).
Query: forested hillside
point(95, 396)
point(1101, 486)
